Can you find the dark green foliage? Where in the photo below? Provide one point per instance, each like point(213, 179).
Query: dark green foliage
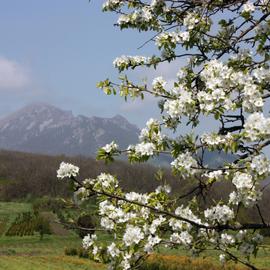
point(80, 252)
point(85, 221)
point(265, 232)
point(28, 223)
point(71, 251)
point(42, 226)
point(35, 175)
point(47, 203)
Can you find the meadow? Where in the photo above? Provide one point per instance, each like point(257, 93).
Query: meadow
point(31, 253)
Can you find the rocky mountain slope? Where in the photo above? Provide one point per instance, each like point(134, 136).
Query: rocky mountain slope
point(42, 128)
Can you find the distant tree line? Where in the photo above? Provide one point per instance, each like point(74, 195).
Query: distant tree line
point(25, 175)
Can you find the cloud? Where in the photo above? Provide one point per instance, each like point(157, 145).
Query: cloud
point(13, 75)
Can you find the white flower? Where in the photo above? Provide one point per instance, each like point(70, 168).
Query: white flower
point(165, 188)
point(185, 212)
point(246, 248)
point(151, 242)
point(242, 181)
point(213, 139)
point(183, 238)
point(133, 235)
point(260, 164)
point(145, 149)
point(67, 170)
point(261, 74)
point(108, 148)
point(241, 235)
point(106, 180)
point(220, 213)
point(113, 250)
point(158, 82)
point(125, 264)
point(222, 258)
point(152, 123)
point(216, 175)
point(257, 238)
point(185, 163)
point(88, 241)
point(234, 198)
point(252, 99)
point(155, 224)
point(257, 127)
point(183, 105)
point(125, 61)
point(190, 21)
point(134, 196)
point(227, 239)
point(95, 250)
point(248, 7)
point(106, 223)
point(172, 37)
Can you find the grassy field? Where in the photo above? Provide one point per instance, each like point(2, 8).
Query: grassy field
point(31, 253)
point(8, 211)
point(262, 261)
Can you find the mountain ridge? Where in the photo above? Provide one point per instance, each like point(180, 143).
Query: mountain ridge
point(43, 128)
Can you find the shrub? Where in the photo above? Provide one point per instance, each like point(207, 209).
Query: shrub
point(82, 253)
point(71, 251)
point(85, 221)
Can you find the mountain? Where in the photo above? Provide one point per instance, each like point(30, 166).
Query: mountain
point(42, 128)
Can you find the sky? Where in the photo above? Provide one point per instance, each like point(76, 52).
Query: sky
point(56, 51)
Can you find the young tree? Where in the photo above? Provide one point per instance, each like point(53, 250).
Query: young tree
point(226, 78)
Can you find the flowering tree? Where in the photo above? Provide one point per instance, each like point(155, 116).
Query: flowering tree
point(226, 78)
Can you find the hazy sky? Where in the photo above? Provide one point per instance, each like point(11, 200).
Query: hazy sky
point(56, 51)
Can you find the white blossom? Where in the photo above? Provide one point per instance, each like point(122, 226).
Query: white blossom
point(242, 181)
point(227, 239)
point(151, 242)
point(132, 235)
point(220, 213)
point(222, 258)
point(67, 170)
point(89, 240)
point(248, 7)
point(108, 148)
point(145, 149)
point(190, 21)
point(185, 162)
point(106, 223)
point(260, 164)
point(134, 196)
point(183, 105)
point(158, 82)
point(257, 127)
point(182, 238)
point(113, 250)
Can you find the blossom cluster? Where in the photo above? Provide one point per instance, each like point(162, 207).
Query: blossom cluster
point(171, 38)
point(111, 147)
point(185, 163)
point(246, 191)
point(67, 170)
point(257, 127)
point(124, 62)
point(183, 105)
point(226, 79)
